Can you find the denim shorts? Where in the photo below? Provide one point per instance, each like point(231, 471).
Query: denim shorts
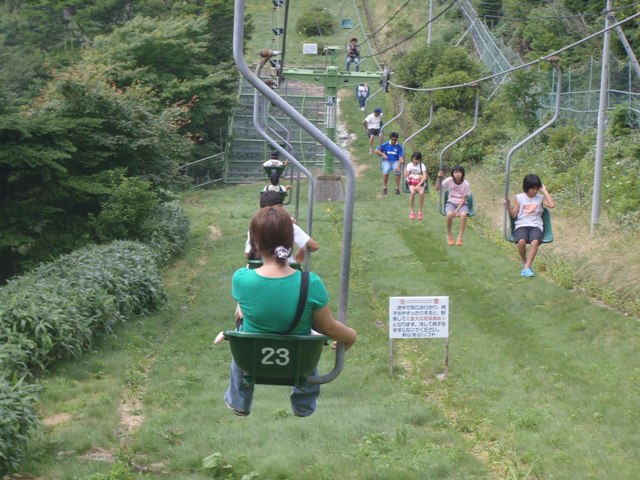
point(389, 167)
point(528, 233)
point(450, 207)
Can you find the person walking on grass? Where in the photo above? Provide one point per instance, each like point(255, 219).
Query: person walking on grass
point(527, 211)
point(392, 155)
point(255, 291)
point(416, 178)
point(372, 125)
point(456, 206)
point(362, 92)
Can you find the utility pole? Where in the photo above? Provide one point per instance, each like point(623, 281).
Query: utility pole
point(430, 20)
point(602, 119)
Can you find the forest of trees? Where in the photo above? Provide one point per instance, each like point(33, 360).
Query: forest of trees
point(94, 93)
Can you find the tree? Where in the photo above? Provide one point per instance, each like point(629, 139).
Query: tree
point(172, 58)
point(58, 160)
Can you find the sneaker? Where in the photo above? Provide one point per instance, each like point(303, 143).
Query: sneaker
point(397, 191)
point(530, 268)
point(412, 216)
point(240, 413)
point(527, 272)
point(370, 151)
point(419, 215)
point(384, 191)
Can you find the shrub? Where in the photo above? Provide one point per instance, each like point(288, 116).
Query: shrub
point(166, 231)
point(315, 22)
point(61, 305)
point(123, 215)
point(17, 418)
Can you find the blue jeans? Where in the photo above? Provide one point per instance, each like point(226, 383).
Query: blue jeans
point(240, 396)
point(362, 101)
point(389, 167)
point(355, 60)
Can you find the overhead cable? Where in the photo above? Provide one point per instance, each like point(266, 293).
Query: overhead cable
point(414, 33)
point(392, 17)
point(520, 67)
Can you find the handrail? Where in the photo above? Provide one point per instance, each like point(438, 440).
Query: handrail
point(384, 124)
point(335, 150)
point(475, 124)
point(259, 121)
point(424, 127)
point(555, 62)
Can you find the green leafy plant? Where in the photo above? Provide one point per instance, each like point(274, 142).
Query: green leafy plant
point(316, 22)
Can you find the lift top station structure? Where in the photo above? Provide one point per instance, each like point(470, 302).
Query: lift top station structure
point(331, 78)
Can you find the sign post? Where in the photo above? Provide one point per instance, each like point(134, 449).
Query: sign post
point(419, 317)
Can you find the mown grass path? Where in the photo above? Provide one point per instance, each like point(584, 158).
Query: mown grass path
point(542, 384)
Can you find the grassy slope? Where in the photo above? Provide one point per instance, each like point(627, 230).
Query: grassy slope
point(541, 381)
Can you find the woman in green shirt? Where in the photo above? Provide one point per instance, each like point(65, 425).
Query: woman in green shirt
point(268, 298)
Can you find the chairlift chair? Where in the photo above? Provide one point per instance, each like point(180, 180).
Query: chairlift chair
point(346, 23)
point(469, 204)
point(276, 359)
point(547, 229)
point(292, 359)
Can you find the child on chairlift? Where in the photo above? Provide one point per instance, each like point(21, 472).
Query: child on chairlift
point(456, 206)
point(527, 211)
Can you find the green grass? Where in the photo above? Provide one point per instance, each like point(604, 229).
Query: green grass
point(542, 383)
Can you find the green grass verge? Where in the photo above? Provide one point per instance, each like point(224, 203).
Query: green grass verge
point(542, 384)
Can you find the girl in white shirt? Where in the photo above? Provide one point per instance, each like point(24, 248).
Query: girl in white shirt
point(416, 178)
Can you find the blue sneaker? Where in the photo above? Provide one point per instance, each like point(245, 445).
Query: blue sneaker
point(527, 272)
point(530, 268)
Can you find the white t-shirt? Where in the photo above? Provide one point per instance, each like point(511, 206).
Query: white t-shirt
point(415, 171)
point(273, 163)
point(530, 211)
point(373, 121)
point(300, 239)
point(274, 188)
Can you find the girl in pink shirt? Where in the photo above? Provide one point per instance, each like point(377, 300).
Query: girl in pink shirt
point(456, 206)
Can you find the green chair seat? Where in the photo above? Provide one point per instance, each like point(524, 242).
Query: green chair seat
point(346, 23)
point(546, 226)
point(270, 359)
point(470, 204)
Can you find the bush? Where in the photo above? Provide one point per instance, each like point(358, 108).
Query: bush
point(17, 418)
point(123, 215)
point(315, 22)
point(61, 305)
point(166, 231)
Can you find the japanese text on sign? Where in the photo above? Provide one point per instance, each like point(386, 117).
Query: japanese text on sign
point(418, 317)
point(331, 112)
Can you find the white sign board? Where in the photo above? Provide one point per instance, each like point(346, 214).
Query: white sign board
point(310, 48)
point(331, 112)
point(418, 317)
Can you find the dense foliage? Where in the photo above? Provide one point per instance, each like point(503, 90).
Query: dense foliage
point(97, 91)
point(56, 311)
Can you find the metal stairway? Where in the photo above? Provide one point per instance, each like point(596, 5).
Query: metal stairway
point(247, 150)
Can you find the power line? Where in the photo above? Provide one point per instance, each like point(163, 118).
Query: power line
point(388, 21)
point(520, 67)
point(414, 33)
